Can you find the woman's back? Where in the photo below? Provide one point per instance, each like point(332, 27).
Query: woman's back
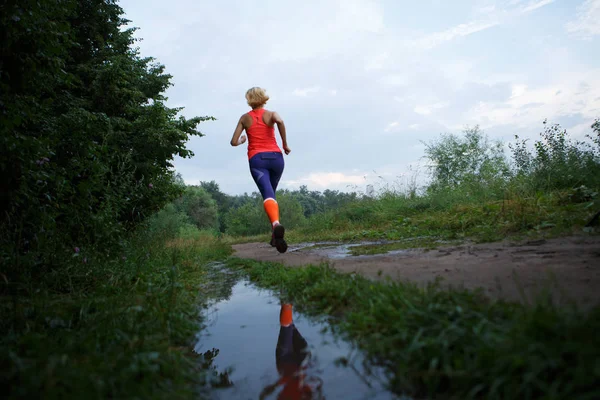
point(261, 136)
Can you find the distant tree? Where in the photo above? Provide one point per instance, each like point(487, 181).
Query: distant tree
point(199, 206)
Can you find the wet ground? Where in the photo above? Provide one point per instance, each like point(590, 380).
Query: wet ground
point(568, 267)
point(242, 334)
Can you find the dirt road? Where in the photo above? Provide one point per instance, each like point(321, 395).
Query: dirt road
point(569, 267)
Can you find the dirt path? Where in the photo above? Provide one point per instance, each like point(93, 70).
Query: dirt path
point(569, 266)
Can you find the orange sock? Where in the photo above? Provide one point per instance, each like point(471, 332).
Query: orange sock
point(285, 315)
point(272, 210)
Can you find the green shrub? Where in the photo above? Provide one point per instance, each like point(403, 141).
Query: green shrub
point(199, 206)
point(251, 219)
point(557, 161)
point(86, 140)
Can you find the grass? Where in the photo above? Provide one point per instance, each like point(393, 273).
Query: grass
point(449, 344)
point(117, 328)
point(397, 217)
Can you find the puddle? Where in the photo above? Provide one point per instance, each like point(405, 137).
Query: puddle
point(244, 331)
point(336, 250)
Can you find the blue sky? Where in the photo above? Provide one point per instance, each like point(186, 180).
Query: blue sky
point(361, 83)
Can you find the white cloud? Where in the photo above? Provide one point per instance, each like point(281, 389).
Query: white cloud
point(392, 126)
point(587, 23)
point(325, 180)
point(306, 91)
point(435, 39)
point(528, 106)
point(395, 80)
point(534, 5)
point(428, 109)
point(518, 90)
point(377, 61)
point(358, 15)
point(492, 16)
point(422, 110)
point(579, 131)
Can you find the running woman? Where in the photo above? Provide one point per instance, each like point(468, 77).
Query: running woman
point(265, 158)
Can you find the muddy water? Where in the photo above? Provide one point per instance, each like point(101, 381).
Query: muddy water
point(246, 331)
point(335, 250)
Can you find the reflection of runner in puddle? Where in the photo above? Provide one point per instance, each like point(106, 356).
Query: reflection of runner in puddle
point(291, 357)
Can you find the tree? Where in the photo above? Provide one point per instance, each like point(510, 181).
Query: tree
point(86, 139)
point(471, 159)
point(198, 205)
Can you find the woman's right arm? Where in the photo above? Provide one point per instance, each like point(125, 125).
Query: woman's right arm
point(281, 128)
point(235, 140)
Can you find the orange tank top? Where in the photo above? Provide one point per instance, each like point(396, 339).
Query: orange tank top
point(261, 137)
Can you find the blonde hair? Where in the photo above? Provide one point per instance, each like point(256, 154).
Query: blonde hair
point(256, 97)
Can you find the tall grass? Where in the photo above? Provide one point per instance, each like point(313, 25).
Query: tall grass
point(109, 326)
point(475, 191)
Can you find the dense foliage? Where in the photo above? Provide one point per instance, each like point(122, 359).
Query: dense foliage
point(86, 139)
point(466, 170)
point(244, 214)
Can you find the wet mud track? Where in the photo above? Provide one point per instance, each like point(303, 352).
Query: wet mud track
point(568, 267)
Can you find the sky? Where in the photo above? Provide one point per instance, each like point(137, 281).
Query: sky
point(362, 85)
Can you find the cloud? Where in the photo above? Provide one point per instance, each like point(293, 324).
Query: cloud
point(492, 16)
point(392, 126)
point(435, 39)
point(325, 180)
point(575, 95)
point(534, 5)
point(587, 23)
point(518, 90)
point(428, 109)
point(306, 91)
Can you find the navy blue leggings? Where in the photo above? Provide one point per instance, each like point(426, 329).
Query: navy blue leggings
point(266, 169)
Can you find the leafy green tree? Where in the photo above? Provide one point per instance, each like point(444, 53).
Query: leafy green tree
point(199, 206)
point(224, 202)
point(470, 160)
point(86, 140)
point(250, 218)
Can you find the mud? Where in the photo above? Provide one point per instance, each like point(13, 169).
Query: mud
point(568, 268)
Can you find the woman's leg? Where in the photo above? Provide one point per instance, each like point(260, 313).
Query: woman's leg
point(266, 169)
point(261, 167)
point(276, 167)
point(276, 170)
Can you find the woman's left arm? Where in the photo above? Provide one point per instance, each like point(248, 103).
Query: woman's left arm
point(236, 140)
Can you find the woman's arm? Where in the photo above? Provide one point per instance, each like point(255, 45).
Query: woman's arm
point(281, 128)
point(236, 140)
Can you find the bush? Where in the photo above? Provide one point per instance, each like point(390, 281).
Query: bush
point(250, 218)
point(471, 166)
point(169, 222)
point(557, 161)
point(198, 205)
point(86, 140)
